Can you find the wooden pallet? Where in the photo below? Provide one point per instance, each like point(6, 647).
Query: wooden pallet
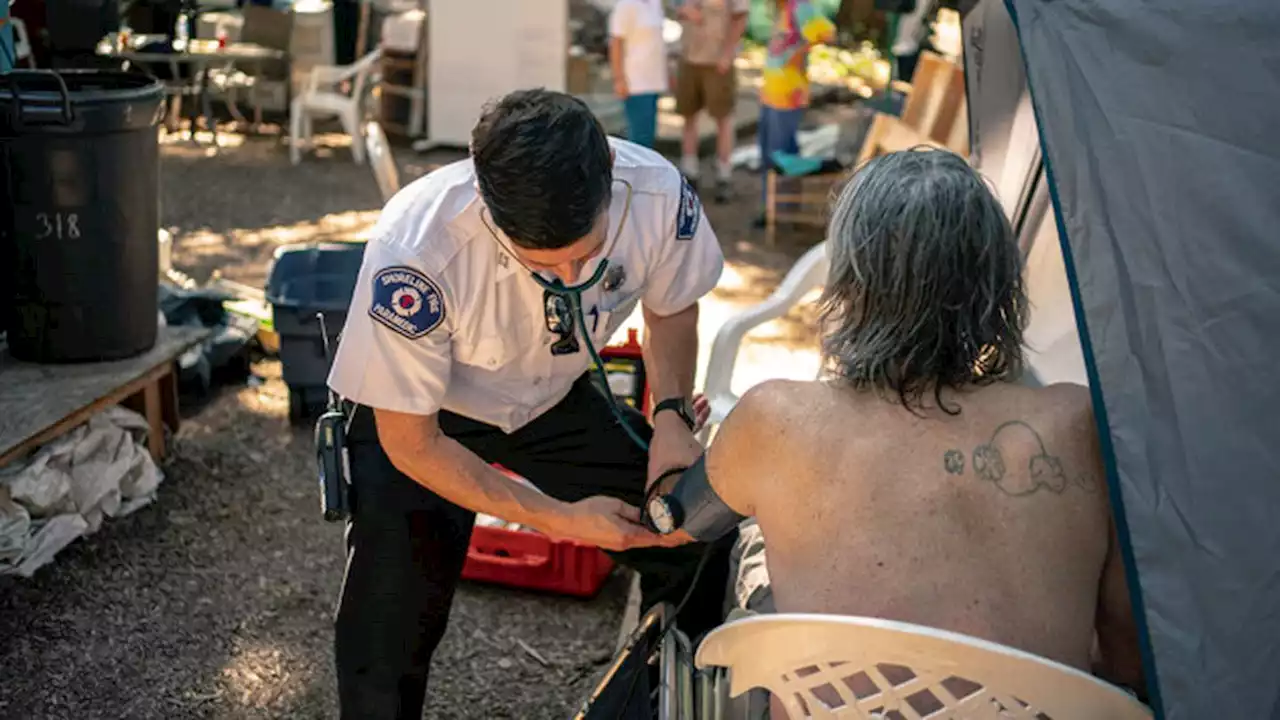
point(39, 403)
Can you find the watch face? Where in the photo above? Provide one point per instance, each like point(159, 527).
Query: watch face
point(660, 514)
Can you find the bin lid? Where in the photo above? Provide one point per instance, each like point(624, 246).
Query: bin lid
point(80, 86)
point(77, 101)
point(318, 276)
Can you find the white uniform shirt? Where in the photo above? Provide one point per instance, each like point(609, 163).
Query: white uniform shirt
point(443, 318)
point(639, 24)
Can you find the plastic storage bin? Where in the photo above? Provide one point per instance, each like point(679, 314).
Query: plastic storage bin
point(304, 281)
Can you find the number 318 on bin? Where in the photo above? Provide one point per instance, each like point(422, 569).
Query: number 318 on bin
point(58, 225)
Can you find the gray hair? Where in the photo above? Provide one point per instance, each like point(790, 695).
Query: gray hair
point(925, 288)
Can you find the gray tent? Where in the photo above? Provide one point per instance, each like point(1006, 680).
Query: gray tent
point(1137, 147)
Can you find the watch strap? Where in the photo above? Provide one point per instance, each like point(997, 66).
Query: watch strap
point(678, 405)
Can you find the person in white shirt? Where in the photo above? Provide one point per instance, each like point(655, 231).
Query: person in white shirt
point(461, 349)
point(912, 37)
point(638, 59)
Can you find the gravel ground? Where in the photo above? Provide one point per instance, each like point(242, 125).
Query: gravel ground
point(215, 601)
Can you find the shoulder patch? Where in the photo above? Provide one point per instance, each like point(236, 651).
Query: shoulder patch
point(406, 301)
point(690, 212)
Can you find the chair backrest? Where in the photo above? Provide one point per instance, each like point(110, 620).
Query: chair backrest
point(932, 75)
point(21, 43)
point(889, 134)
point(830, 666)
point(381, 160)
point(934, 113)
point(809, 272)
point(364, 68)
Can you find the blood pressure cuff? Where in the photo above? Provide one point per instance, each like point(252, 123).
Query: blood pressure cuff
point(706, 517)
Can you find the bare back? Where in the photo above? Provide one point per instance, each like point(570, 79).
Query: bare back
point(993, 522)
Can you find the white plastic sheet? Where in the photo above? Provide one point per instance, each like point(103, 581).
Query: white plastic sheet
point(68, 487)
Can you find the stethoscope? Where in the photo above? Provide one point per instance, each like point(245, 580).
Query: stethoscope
point(572, 294)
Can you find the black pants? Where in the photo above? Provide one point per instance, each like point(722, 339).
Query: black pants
point(406, 545)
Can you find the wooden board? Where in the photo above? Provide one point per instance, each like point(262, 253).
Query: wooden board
point(40, 402)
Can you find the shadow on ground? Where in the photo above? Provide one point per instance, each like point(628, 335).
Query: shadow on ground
point(216, 601)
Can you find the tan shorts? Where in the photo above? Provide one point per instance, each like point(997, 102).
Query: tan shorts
point(701, 87)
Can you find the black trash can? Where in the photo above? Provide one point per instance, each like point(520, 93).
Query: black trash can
point(306, 280)
point(80, 167)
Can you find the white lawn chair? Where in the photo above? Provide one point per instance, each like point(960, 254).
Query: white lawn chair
point(331, 92)
point(809, 272)
point(381, 160)
point(21, 44)
point(829, 666)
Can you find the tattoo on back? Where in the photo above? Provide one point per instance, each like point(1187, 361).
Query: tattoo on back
point(1043, 470)
point(953, 461)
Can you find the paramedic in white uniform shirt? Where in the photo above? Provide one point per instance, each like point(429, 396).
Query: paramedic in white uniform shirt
point(454, 357)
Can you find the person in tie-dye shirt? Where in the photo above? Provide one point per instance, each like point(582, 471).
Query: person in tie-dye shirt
point(784, 95)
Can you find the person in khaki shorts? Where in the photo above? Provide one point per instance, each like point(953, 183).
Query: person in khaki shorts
point(712, 30)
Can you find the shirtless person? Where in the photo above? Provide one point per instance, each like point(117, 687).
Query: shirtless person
point(919, 482)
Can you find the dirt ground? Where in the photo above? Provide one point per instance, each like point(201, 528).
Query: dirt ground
point(216, 601)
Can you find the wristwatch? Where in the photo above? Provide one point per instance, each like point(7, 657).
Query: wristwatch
point(680, 406)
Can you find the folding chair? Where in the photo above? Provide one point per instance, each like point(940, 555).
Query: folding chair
point(934, 104)
point(656, 650)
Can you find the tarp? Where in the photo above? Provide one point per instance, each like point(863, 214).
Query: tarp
point(1155, 143)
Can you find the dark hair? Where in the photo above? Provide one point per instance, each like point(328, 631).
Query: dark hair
point(925, 288)
point(544, 167)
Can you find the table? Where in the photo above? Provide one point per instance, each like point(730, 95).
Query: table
point(199, 55)
point(38, 403)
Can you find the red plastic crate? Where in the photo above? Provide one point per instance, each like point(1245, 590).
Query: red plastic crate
point(529, 560)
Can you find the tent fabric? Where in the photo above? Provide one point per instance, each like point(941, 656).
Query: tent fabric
point(1157, 123)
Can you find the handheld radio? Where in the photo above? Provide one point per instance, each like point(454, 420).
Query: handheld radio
point(332, 459)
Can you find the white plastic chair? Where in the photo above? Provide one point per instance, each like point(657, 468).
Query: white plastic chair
point(830, 666)
point(809, 272)
point(21, 43)
point(381, 160)
point(324, 97)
